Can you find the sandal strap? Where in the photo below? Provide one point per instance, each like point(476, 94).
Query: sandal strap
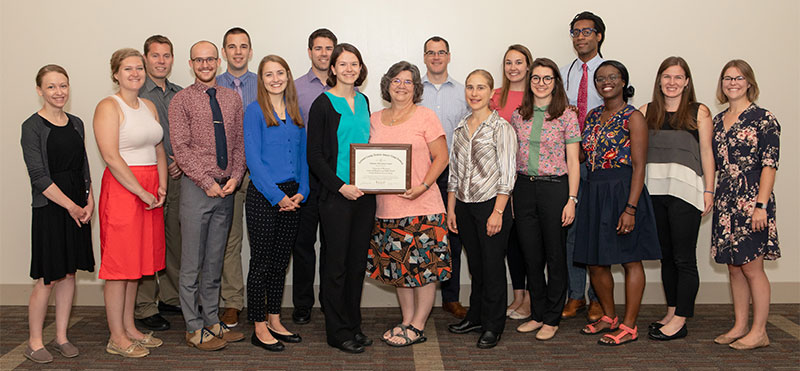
point(417, 331)
point(606, 319)
point(633, 332)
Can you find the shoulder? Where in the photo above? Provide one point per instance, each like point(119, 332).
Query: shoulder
point(253, 110)
point(33, 122)
point(643, 108)
point(569, 115)
point(702, 110)
point(108, 103)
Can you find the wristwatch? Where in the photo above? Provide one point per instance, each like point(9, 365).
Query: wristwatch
point(760, 205)
point(574, 198)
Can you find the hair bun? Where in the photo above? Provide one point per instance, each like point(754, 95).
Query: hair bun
point(628, 92)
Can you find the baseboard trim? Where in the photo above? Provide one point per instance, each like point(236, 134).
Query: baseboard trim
point(376, 295)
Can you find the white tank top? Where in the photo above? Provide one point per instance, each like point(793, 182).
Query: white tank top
point(139, 133)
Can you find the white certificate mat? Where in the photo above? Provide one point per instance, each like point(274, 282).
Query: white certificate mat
point(380, 168)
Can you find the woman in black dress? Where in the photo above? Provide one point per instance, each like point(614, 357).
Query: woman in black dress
point(61, 238)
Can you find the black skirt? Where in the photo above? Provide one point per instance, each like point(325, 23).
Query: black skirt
point(603, 198)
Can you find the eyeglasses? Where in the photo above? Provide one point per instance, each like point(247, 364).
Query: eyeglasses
point(441, 53)
point(201, 60)
point(397, 82)
point(547, 79)
point(732, 78)
point(586, 32)
point(609, 78)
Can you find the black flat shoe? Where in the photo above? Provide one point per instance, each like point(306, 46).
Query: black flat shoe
point(167, 308)
point(275, 347)
point(301, 316)
point(658, 335)
point(654, 326)
point(154, 323)
point(286, 338)
point(363, 339)
point(464, 327)
point(488, 340)
point(350, 346)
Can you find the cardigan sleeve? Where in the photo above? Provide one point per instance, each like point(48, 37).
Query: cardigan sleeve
point(322, 123)
point(32, 152)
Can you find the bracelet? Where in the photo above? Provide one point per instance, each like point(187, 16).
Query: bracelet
point(711, 192)
point(426, 185)
point(499, 211)
point(626, 212)
point(574, 198)
point(630, 206)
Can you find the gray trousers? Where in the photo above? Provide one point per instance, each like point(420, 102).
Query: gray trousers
point(205, 223)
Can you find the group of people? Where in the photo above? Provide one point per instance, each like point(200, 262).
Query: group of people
point(554, 169)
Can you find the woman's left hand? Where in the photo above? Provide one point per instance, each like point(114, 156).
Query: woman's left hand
point(568, 214)
point(494, 224)
point(414, 192)
point(162, 196)
point(708, 203)
point(759, 217)
point(626, 223)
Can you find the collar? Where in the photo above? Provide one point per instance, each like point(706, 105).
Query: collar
point(449, 80)
point(540, 109)
point(592, 63)
point(490, 121)
point(149, 85)
point(199, 86)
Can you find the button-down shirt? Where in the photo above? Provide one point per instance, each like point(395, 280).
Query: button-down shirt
point(249, 85)
point(483, 166)
point(275, 154)
point(161, 99)
point(447, 101)
point(309, 87)
point(543, 143)
point(572, 74)
point(192, 133)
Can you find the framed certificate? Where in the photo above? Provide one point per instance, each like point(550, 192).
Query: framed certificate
point(380, 168)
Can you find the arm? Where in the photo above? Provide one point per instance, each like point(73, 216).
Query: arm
point(304, 185)
point(180, 134)
point(254, 124)
point(237, 153)
point(639, 139)
point(769, 148)
point(106, 133)
point(161, 160)
point(506, 147)
point(573, 178)
point(705, 130)
point(451, 212)
point(317, 131)
point(495, 222)
point(437, 148)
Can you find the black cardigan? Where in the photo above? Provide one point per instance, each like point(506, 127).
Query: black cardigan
point(323, 143)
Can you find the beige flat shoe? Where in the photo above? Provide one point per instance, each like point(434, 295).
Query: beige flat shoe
point(135, 350)
point(725, 340)
point(546, 333)
point(738, 345)
point(148, 341)
point(529, 326)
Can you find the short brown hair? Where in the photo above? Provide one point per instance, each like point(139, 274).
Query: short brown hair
point(321, 32)
point(47, 69)
point(337, 51)
point(119, 56)
point(236, 31)
point(749, 76)
point(395, 70)
point(157, 39)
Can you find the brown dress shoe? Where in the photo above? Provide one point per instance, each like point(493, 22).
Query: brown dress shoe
point(455, 308)
point(572, 308)
point(230, 316)
point(595, 311)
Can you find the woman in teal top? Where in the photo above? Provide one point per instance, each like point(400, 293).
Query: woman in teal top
point(338, 118)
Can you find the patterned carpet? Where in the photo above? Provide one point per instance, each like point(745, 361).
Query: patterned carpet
point(443, 350)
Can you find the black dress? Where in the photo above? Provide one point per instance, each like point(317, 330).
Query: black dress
point(58, 246)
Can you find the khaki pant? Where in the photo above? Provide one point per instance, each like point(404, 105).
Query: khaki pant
point(163, 286)
point(232, 292)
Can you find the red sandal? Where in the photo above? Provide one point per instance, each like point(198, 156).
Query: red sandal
point(592, 329)
point(617, 340)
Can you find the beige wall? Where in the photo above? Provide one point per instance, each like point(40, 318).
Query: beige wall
point(81, 35)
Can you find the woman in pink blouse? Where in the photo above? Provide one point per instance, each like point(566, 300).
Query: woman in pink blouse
point(409, 248)
point(545, 193)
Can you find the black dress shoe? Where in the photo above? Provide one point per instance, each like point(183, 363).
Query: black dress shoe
point(656, 334)
point(350, 346)
point(654, 326)
point(276, 347)
point(290, 338)
point(464, 327)
point(488, 340)
point(168, 308)
point(154, 323)
point(301, 316)
point(363, 339)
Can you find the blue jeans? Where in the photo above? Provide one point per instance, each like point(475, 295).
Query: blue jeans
point(577, 272)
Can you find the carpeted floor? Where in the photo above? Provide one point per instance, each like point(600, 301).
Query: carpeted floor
point(443, 350)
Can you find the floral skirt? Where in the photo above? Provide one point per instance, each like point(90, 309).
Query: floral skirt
point(410, 252)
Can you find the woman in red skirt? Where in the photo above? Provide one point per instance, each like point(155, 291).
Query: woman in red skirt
point(133, 189)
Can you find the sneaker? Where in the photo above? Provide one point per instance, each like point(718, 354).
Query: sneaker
point(135, 350)
point(222, 331)
point(204, 340)
point(230, 316)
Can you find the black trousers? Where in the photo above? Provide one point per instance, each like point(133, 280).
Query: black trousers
point(515, 259)
point(304, 258)
point(347, 226)
point(678, 224)
point(486, 260)
point(272, 235)
point(451, 287)
point(538, 205)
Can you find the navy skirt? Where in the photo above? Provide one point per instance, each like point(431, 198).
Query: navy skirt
point(603, 198)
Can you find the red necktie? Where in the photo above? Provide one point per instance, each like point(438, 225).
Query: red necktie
point(583, 96)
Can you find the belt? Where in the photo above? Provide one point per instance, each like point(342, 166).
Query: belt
point(542, 178)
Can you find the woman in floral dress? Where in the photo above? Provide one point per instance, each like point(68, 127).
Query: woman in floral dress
point(746, 144)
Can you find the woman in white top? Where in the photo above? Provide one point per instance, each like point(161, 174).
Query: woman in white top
point(133, 189)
